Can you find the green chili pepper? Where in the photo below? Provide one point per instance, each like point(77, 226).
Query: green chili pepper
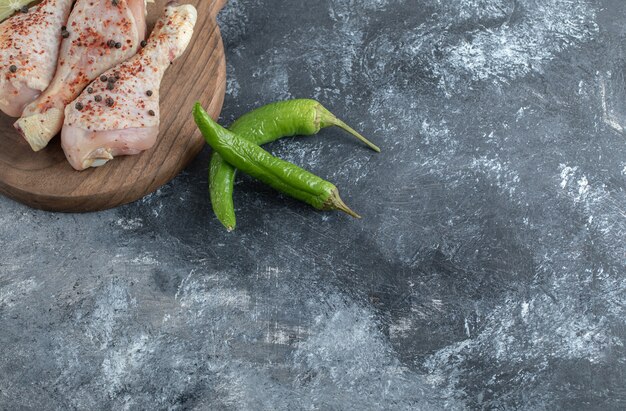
point(266, 124)
point(279, 174)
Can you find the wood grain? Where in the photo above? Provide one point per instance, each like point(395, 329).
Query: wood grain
point(45, 180)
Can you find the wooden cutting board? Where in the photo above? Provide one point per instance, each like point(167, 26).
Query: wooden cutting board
point(45, 180)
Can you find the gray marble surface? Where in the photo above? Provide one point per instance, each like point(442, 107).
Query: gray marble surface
point(489, 271)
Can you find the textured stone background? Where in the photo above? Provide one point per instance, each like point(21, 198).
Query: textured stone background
point(489, 270)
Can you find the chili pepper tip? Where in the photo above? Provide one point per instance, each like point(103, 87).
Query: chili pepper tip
point(200, 115)
point(197, 108)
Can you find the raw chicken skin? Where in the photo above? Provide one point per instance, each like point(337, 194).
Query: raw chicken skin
point(30, 43)
point(125, 120)
point(102, 33)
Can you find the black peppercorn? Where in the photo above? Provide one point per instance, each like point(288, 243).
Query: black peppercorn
point(98, 98)
point(144, 43)
point(79, 106)
point(89, 90)
point(13, 68)
point(149, 93)
point(110, 86)
point(24, 9)
point(118, 45)
point(110, 102)
point(65, 34)
point(151, 113)
point(103, 78)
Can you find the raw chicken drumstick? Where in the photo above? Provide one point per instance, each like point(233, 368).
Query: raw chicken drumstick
point(29, 49)
point(99, 34)
point(119, 113)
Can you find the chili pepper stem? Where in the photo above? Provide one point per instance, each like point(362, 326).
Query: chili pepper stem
point(352, 131)
point(326, 118)
point(335, 202)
